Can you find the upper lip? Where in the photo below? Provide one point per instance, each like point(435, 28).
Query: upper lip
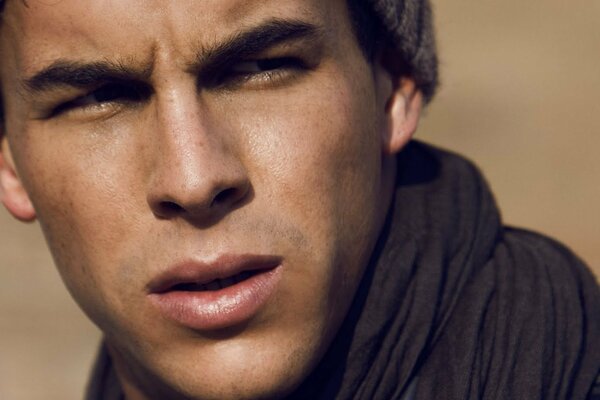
point(201, 272)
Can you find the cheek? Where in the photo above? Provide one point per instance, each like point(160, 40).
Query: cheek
point(318, 155)
point(319, 149)
point(79, 201)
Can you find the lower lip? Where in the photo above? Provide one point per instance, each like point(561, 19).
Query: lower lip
point(218, 309)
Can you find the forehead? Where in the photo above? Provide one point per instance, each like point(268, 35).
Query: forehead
point(38, 32)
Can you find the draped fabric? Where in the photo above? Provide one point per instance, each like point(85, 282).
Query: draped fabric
point(104, 384)
point(456, 306)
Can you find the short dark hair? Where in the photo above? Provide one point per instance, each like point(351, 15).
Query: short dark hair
point(367, 27)
point(381, 25)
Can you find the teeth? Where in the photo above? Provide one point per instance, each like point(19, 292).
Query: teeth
point(244, 275)
point(214, 285)
point(227, 282)
point(217, 284)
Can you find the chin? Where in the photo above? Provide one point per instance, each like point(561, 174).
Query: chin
point(256, 366)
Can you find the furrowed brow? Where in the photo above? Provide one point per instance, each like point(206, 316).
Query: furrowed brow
point(210, 60)
point(62, 73)
point(245, 44)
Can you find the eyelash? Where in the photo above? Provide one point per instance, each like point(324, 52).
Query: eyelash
point(268, 70)
point(104, 95)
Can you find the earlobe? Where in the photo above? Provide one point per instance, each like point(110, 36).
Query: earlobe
point(12, 193)
point(403, 110)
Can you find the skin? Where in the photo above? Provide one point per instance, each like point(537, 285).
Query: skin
point(296, 161)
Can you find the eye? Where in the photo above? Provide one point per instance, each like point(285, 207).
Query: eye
point(267, 69)
point(110, 93)
point(267, 64)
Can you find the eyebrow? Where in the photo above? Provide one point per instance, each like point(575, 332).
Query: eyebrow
point(245, 44)
point(209, 60)
point(82, 75)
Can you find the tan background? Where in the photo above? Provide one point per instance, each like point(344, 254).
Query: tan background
point(520, 95)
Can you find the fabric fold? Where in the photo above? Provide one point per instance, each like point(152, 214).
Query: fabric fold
point(457, 306)
point(468, 308)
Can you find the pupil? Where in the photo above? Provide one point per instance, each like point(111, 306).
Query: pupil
point(272, 63)
point(113, 92)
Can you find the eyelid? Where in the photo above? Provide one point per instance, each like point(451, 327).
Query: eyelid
point(72, 106)
point(238, 67)
point(269, 63)
point(273, 69)
point(131, 92)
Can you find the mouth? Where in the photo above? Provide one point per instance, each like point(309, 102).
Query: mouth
point(215, 295)
point(216, 284)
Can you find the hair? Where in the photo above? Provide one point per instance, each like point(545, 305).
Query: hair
point(404, 28)
point(403, 25)
point(366, 26)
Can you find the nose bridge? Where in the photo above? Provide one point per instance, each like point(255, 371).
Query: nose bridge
point(186, 145)
point(195, 170)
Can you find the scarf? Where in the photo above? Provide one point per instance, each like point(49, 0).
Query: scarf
point(453, 305)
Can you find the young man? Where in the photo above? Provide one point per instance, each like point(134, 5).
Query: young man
point(230, 192)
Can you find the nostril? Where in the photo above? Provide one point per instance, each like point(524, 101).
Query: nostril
point(170, 208)
point(227, 195)
point(195, 202)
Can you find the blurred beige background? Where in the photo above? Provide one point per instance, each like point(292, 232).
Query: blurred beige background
point(520, 95)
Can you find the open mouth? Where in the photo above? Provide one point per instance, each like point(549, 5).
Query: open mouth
point(216, 284)
point(225, 272)
point(217, 295)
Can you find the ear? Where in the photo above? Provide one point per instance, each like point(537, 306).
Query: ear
point(403, 103)
point(403, 111)
point(12, 193)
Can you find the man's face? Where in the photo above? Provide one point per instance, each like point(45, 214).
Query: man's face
point(164, 145)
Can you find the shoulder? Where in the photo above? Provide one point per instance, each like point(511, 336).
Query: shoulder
point(549, 273)
point(562, 297)
point(549, 262)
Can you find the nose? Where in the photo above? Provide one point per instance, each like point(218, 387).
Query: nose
point(196, 174)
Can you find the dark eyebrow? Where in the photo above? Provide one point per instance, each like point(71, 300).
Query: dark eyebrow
point(210, 60)
point(82, 75)
point(245, 44)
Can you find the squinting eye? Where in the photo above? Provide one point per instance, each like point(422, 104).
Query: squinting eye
point(112, 92)
point(267, 64)
point(108, 93)
point(263, 70)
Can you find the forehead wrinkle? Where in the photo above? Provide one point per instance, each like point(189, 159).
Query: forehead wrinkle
point(66, 35)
